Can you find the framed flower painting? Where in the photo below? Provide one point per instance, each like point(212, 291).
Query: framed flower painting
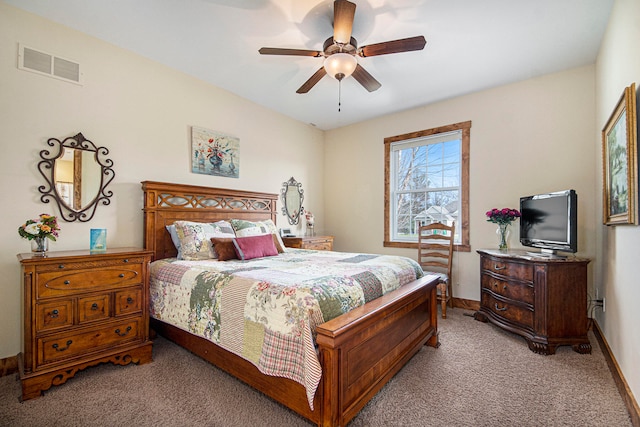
point(214, 153)
point(620, 162)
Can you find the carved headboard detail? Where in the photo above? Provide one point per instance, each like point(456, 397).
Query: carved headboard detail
point(165, 203)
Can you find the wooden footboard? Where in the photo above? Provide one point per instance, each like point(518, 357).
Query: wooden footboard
point(362, 349)
point(360, 352)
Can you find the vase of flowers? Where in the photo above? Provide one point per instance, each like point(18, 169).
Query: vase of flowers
point(39, 231)
point(503, 217)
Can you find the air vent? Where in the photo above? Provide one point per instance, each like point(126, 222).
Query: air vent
point(30, 59)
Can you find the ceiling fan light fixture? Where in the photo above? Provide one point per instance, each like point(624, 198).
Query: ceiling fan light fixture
point(340, 65)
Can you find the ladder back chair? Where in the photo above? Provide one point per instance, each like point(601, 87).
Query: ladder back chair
point(435, 256)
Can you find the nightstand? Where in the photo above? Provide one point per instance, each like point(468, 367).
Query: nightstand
point(318, 243)
point(82, 309)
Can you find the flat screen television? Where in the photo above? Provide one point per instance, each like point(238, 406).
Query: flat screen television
point(550, 222)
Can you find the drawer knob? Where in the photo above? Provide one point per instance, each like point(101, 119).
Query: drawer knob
point(498, 267)
point(61, 266)
point(129, 300)
point(54, 314)
point(122, 334)
point(500, 309)
point(94, 306)
point(121, 275)
point(125, 260)
point(495, 285)
point(57, 348)
point(66, 282)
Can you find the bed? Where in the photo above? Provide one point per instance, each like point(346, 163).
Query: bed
point(358, 352)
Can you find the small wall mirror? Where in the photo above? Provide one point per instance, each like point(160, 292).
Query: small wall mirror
point(292, 196)
point(76, 174)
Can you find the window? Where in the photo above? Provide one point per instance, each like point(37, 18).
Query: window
point(427, 180)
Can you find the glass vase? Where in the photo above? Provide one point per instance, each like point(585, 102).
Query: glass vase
point(39, 245)
point(503, 236)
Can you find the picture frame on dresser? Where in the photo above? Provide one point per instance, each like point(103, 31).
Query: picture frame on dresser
point(620, 162)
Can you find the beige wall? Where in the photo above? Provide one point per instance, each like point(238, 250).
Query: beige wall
point(526, 138)
point(142, 111)
point(618, 66)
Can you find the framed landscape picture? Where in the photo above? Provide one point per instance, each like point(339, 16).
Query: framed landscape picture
point(620, 162)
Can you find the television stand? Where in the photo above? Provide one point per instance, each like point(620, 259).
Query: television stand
point(542, 299)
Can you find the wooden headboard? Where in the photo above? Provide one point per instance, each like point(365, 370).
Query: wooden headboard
point(165, 203)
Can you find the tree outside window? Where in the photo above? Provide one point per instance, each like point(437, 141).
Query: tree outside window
point(426, 181)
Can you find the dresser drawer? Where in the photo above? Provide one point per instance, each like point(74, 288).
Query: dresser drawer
point(70, 282)
point(508, 310)
point(54, 315)
point(92, 308)
point(513, 290)
point(96, 264)
point(128, 301)
point(513, 270)
point(68, 345)
point(319, 245)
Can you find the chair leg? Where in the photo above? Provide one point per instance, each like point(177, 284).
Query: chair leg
point(450, 295)
point(442, 287)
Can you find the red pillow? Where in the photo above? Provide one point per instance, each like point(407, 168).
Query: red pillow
point(255, 246)
point(224, 247)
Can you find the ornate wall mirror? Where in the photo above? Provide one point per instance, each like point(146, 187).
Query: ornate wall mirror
point(292, 196)
point(77, 174)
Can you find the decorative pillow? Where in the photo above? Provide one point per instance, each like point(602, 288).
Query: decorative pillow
point(254, 246)
point(195, 242)
point(175, 239)
point(256, 228)
point(224, 248)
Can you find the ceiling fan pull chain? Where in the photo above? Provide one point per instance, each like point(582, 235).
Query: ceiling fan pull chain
point(339, 94)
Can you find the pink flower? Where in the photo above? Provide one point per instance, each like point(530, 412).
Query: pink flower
point(289, 291)
point(502, 216)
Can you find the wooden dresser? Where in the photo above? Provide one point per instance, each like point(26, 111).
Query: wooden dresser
point(319, 243)
point(542, 299)
point(82, 309)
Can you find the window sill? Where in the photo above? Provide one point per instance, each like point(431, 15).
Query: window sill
point(414, 245)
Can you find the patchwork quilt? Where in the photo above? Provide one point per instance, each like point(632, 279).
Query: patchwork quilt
point(266, 310)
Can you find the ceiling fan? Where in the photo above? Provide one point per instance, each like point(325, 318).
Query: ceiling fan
point(340, 51)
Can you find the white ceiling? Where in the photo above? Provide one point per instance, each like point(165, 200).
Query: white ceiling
point(471, 45)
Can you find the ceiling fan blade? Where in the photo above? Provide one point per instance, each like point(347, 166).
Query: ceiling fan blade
point(365, 79)
point(306, 87)
point(394, 46)
point(295, 52)
point(343, 13)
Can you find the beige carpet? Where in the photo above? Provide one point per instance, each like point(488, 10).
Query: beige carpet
point(480, 376)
